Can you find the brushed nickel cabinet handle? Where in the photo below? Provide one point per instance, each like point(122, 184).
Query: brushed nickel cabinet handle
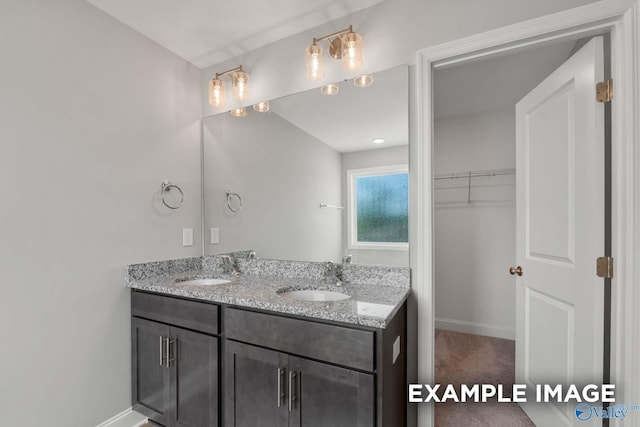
point(170, 359)
point(292, 389)
point(281, 394)
point(161, 352)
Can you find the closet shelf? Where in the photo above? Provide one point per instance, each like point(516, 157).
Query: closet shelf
point(464, 180)
point(473, 174)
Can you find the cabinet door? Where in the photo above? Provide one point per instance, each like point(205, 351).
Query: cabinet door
point(194, 379)
point(255, 387)
point(329, 396)
point(151, 378)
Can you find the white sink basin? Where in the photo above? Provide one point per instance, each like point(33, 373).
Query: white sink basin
point(315, 295)
point(204, 282)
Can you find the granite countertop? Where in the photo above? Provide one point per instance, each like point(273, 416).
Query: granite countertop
point(371, 304)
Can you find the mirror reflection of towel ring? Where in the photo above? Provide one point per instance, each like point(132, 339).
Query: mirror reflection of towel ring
point(165, 187)
point(231, 196)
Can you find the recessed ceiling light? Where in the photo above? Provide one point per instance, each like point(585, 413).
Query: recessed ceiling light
point(330, 89)
point(377, 140)
point(363, 80)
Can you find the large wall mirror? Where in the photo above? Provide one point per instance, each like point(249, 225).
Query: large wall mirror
point(309, 180)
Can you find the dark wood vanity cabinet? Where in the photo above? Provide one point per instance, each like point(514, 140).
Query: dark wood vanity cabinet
point(263, 369)
point(269, 388)
point(254, 393)
point(174, 370)
point(151, 387)
point(290, 372)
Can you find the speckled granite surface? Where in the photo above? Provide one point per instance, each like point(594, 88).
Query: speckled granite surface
point(377, 275)
point(371, 304)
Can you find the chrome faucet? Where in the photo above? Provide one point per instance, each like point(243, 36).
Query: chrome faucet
point(331, 273)
point(228, 265)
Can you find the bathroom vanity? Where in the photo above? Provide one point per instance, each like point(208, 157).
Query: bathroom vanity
point(246, 353)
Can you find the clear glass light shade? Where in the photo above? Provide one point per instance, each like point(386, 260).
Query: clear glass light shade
point(238, 112)
point(351, 51)
point(240, 82)
point(330, 89)
point(216, 93)
point(314, 62)
point(261, 107)
point(363, 80)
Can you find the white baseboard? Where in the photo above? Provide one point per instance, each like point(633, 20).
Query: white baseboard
point(126, 418)
point(476, 328)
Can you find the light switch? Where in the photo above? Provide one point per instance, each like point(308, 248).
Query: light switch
point(187, 237)
point(214, 236)
point(396, 349)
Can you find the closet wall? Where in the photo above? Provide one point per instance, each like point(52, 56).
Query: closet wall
point(475, 232)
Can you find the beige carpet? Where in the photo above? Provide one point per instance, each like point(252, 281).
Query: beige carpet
point(474, 359)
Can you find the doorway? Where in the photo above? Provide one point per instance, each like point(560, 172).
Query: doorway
point(619, 17)
point(475, 223)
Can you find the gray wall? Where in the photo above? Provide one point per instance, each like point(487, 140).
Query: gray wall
point(475, 243)
point(93, 117)
point(282, 175)
point(369, 159)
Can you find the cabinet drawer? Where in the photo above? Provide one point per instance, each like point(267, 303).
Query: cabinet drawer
point(194, 315)
point(334, 344)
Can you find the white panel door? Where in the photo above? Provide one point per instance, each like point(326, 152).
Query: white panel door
point(560, 233)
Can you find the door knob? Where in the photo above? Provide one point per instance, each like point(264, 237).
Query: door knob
point(515, 270)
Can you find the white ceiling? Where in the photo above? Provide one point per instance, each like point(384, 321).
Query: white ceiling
point(207, 32)
point(495, 84)
point(349, 120)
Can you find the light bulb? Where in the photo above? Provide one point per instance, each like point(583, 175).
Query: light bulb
point(216, 93)
point(351, 51)
point(314, 62)
point(240, 82)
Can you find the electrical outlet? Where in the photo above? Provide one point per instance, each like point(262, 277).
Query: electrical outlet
point(187, 237)
point(214, 236)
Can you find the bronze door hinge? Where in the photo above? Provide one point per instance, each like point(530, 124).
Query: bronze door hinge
point(604, 267)
point(604, 91)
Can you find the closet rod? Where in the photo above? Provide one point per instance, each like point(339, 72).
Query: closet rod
point(473, 174)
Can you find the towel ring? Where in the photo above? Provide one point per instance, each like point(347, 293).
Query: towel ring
point(230, 196)
point(165, 187)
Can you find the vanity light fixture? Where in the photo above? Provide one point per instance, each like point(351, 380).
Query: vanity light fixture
point(363, 80)
point(238, 112)
point(261, 107)
point(377, 140)
point(239, 84)
point(330, 89)
point(344, 44)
